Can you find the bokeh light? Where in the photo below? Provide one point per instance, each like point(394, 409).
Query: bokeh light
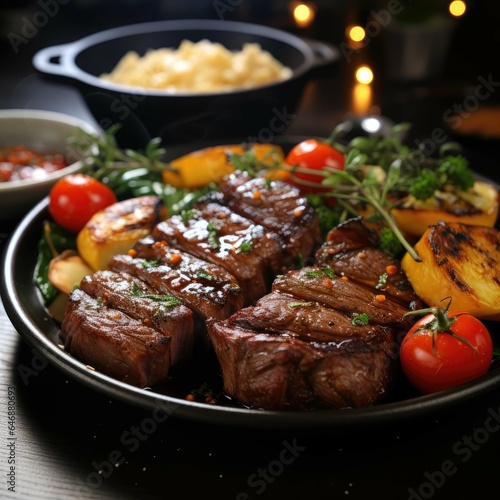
point(303, 13)
point(356, 33)
point(364, 75)
point(457, 8)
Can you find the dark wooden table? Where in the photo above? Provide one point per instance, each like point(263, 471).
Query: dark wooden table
point(70, 440)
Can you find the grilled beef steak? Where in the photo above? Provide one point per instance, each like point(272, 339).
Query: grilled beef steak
point(319, 337)
point(215, 234)
point(113, 342)
point(281, 313)
point(282, 371)
point(318, 340)
point(277, 206)
point(350, 249)
point(311, 283)
point(138, 300)
point(207, 290)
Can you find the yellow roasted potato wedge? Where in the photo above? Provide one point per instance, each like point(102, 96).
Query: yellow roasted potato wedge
point(57, 308)
point(115, 229)
point(478, 206)
point(211, 164)
point(460, 261)
point(67, 270)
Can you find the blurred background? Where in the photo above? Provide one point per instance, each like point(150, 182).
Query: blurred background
point(419, 57)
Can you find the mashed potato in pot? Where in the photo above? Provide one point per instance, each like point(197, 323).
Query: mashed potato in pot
point(199, 67)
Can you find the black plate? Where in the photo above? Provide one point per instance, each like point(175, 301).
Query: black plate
point(25, 309)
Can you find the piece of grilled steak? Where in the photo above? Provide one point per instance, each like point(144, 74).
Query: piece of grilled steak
point(282, 313)
point(214, 233)
point(281, 368)
point(277, 206)
point(208, 290)
point(350, 249)
point(320, 339)
point(140, 301)
point(340, 293)
point(113, 342)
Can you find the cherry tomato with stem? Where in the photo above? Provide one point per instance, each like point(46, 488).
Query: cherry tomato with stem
point(445, 349)
point(74, 199)
point(311, 156)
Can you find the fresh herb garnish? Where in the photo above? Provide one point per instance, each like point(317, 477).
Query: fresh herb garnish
point(329, 272)
point(166, 300)
point(328, 218)
point(186, 215)
point(213, 236)
point(54, 241)
point(246, 247)
point(314, 274)
point(204, 275)
point(360, 320)
point(248, 162)
point(317, 273)
point(132, 173)
point(382, 280)
point(389, 243)
point(149, 264)
point(299, 304)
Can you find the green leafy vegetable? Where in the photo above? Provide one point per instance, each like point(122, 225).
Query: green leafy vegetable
point(425, 185)
point(53, 242)
point(389, 243)
point(328, 217)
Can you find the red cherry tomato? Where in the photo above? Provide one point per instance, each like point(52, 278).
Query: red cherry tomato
point(74, 199)
point(460, 355)
point(313, 155)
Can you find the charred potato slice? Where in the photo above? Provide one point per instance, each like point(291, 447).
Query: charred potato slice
point(459, 261)
point(115, 229)
point(478, 206)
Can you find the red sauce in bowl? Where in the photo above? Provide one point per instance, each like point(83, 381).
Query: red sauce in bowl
point(19, 163)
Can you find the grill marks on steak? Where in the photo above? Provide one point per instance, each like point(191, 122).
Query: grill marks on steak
point(298, 347)
point(113, 342)
point(132, 296)
point(293, 350)
point(279, 208)
point(214, 233)
point(214, 259)
point(350, 250)
point(281, 313)
point(310, 283)
point(207, 290)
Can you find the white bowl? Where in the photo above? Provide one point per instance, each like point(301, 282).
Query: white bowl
point(43, 131)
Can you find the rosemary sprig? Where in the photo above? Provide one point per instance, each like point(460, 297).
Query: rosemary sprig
point(102, 154)
point(130, 173)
